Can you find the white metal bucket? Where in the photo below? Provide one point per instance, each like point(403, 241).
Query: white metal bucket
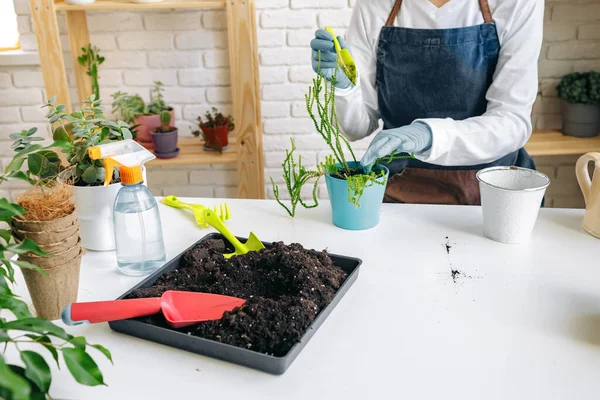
point(511, 198)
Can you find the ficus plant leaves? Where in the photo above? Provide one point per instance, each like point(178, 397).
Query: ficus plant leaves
point(37, 369)
point(83, 368)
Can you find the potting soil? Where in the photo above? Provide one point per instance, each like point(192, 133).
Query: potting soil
point(285, 287)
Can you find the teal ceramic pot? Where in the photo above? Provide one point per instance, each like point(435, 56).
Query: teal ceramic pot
point(345, 215)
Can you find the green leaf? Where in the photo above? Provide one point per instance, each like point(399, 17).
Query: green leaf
point(28, 149)
point(35, 162)
point(35, 394)
point(127, 134)
point(83, 368)
point(103, 350)
point(27, 265)
point(61, 133)
point(45, 341)
point(37, 369)
point(16, 306)
point(26, 246)
point(19, 175)
point(79, 342)
point(36, 325)
point(9, 210)
point(9, 269)
point(90, 175)
point(4, 288)
point(52, 100)
point(16, 385)
point(15, 135)
point(4, 337)
point(15, 164)
point(5, 234)
point(32, 131)
point(61, 108)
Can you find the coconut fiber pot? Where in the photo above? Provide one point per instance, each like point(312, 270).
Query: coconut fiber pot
point(52, 292)
point(580, 120)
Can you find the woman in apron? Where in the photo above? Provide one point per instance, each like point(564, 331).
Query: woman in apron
point(453, 81)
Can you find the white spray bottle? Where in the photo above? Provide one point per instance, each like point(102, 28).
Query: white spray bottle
point(138, 230)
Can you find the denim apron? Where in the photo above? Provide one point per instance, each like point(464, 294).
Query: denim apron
point(437, 73)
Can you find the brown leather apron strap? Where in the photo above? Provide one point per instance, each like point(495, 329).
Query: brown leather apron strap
point(394, 13)
point(483, 4)
point(485, 11)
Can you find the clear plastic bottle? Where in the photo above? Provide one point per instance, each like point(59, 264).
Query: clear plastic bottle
point(138, 231)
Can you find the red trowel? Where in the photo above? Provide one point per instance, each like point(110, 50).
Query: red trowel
point(179, 308)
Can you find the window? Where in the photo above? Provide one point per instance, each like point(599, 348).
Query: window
point(9, 32)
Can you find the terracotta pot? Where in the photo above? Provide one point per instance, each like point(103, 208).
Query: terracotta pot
point(165, 142)
point(148, 124)
point(216, 137)
point(51, 293)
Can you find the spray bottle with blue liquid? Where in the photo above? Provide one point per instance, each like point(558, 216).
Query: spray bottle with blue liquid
point(138, 230)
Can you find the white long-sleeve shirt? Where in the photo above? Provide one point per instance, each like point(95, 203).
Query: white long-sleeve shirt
point(506, 125)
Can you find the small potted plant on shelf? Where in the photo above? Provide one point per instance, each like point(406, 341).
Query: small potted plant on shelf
point(355, 193)
point(91, 59)
point(165, 137)
point(94, 203)
point(580, 94)
point(215, 130)
point(143, 117)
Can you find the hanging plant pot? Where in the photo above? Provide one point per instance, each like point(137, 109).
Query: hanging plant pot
point(145, 125)
point(366, 215)
point(215, 138)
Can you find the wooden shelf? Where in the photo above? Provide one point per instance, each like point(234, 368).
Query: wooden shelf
point(191, 152)
point(128, 5)
point(554, 143)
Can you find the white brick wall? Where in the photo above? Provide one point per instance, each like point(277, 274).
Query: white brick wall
point(187, 51)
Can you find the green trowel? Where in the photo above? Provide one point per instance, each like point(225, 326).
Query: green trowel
point(252, 244)
point(344, 58)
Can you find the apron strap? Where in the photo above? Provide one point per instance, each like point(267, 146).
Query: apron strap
point(394, 13)
point(483, 4)
point(485, 11)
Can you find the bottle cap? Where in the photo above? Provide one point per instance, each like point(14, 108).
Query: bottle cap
point(131, 175)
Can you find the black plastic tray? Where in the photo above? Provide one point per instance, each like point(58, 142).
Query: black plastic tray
point(226, 352)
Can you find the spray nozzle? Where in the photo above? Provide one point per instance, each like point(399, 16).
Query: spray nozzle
point(128, 155)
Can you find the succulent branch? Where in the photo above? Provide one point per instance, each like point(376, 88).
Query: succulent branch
point(91, 59)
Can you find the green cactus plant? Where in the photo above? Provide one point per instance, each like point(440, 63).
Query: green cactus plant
point(165, 121)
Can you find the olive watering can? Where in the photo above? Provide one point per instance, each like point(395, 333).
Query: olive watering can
point(591, 192)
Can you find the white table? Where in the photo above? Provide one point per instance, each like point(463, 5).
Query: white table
point(524, 324)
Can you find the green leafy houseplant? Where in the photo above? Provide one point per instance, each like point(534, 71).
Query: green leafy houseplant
point(131, 106)
point(580, 88)
point(32, 379)
point(341, 164)
point(80, 130)
point(91, 59)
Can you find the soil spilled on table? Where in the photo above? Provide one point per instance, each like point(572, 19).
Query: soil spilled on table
point(285, 288)
point(448, 247)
